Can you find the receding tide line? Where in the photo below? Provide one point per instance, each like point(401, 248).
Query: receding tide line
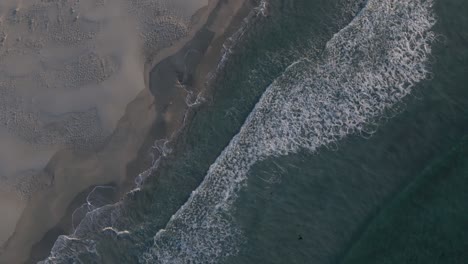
point(367, 67)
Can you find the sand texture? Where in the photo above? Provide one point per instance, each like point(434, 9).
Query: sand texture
point(75, 103)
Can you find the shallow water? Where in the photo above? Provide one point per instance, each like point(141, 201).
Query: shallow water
point(290, 200)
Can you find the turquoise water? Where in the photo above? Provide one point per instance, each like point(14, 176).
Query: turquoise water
point(329, 200)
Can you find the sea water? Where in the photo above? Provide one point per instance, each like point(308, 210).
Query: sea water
point(324, 112)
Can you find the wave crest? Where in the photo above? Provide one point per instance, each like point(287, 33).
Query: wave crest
point(366, 68)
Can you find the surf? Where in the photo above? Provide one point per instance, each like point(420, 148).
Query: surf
point(365, 69)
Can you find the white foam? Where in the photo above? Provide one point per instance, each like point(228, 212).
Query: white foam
point(67, 253)
point(262, 8)
point(366, 68)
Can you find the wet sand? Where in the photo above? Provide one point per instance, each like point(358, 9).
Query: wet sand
point(156, 113)
point(12, 208)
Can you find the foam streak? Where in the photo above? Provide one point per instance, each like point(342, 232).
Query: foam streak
point(367, 67)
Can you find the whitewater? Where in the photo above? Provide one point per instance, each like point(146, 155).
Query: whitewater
point(365, 69)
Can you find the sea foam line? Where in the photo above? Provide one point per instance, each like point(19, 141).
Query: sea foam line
point(369, 66)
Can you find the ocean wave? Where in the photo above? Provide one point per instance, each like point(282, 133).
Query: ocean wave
point(366, 68)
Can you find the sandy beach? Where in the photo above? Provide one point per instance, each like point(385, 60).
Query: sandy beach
point(155, 112)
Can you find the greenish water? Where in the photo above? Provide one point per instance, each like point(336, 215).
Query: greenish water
point(337, 206)
point(426, 222)
point(352, 201)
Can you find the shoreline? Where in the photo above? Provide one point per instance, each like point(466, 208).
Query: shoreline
point(224, 45)
point(143, 103)
point(207, 68)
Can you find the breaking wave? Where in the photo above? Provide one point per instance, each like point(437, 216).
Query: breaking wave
point(366, 68)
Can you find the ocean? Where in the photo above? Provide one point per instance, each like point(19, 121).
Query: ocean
point(335, 132)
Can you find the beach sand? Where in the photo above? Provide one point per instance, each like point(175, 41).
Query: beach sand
point(157, 112)
point(11, 212)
